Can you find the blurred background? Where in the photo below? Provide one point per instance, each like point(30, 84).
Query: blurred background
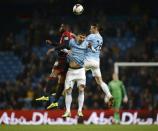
point(130, 35)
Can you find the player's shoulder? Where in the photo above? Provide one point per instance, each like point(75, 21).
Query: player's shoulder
point(110, 82)
point(95, 36)
point(66, 35)
point(99, 36)
point(91, 36)
point(121, 82)
point(72, 41)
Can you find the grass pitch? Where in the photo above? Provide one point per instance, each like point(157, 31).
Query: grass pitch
point(80, 128)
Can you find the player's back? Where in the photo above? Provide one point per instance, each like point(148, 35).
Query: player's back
point(96, 40)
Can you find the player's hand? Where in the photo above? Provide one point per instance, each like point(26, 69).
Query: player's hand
point(90, 45)
point(69, 52)
point(66, 51)
point(50, 50)
point(125, 99)
point(48, 42)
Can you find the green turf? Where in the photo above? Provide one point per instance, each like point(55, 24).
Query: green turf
point(80, 128)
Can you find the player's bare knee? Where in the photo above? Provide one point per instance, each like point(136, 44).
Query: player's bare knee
point(81, 88)
point(68, 91)
point(55, 72)
point(98, 80)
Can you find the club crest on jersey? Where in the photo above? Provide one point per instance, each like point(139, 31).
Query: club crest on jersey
point(66, 38)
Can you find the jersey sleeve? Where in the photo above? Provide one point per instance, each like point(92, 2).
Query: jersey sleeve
point(66, 40)
point(90, 38)
point(71, 42)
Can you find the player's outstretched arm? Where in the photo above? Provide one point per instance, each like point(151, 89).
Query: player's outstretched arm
point(91, 47)
point(66, 51)
point(59, 47)
point(50, 50)
point(51, 42)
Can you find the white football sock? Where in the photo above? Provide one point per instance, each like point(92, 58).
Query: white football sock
point(80, 100)
point(68, 100)
point(106, 90)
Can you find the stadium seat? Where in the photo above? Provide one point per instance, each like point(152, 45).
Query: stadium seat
point(10, 66)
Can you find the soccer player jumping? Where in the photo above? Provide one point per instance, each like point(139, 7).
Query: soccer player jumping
point(76, 72)
point(92, 60)
point(60, 67)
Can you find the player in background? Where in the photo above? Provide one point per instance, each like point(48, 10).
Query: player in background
point(118, 91)
point(92, 60)
point(60, 67)
point(76, 73)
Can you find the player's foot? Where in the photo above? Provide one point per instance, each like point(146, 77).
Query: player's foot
point(53, 94)
point(51, 76)
point(80, 114)
point(116, 121)
point(43, 98)
point(110, 102)
point(53, 105)
point(66, 114)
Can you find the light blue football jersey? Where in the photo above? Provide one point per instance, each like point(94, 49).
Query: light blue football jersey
point(96, 40)
point(78, 52)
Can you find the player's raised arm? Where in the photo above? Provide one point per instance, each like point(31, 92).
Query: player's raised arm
point(50, 50)
point(67, 51)
point(51, 43)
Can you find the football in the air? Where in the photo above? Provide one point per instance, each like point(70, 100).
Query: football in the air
point(78, 9)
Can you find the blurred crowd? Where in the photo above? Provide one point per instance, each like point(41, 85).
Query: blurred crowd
point(126, 39)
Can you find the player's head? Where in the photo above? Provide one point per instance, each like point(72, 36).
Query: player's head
point(64, 27)
point(80, 37)
point(115, 76)
point(95, 28)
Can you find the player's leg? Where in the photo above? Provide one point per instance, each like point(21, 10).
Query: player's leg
point(58, 94)
point(80, 100)
point(94, 66)
point(60, 88)
point(63, 67)
point(116, 109)
point(69, 83)
point(50, 83)
point(81, 82)
point(97, 74)
point(61, 85)
point(68, 101)
point(55, 71)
